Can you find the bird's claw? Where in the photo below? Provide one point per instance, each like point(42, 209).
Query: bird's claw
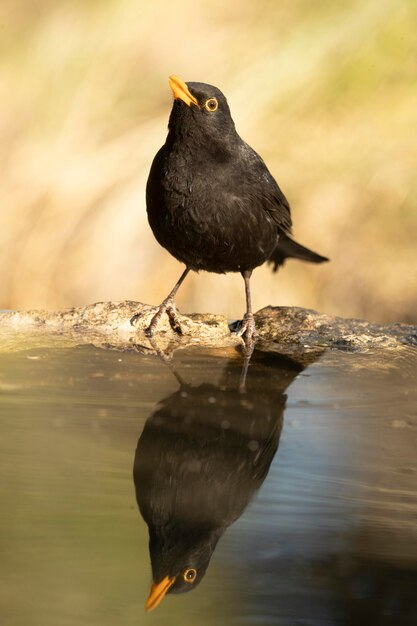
point(134, 319)
point(149, 330)
point(167, 307)
point(171, 311)
point(248, 331)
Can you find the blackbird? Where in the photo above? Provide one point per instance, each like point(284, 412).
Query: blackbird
point(201, 457)
point(211, 200)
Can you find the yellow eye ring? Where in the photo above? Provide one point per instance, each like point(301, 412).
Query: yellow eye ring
point(211, 105)
point(190, 575)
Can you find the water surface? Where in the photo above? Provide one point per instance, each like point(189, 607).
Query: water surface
point(307, 480)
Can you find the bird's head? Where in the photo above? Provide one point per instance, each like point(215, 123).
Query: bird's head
point(179, 567)
point(199, 110)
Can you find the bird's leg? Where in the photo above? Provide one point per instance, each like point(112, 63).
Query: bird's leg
point(248, 330)
point(168, 307)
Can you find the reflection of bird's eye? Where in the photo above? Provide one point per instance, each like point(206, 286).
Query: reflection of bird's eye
point(211, 104)
point(189, 575)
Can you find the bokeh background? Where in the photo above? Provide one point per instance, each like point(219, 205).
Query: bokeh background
point(325, 91)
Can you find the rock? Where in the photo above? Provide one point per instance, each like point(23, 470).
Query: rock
point(107, 324)
point(294, 325)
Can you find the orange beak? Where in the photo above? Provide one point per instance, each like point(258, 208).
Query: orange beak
point(158, 591)
point(181, 91)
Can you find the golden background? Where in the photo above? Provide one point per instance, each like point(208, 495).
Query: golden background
point(325, 91)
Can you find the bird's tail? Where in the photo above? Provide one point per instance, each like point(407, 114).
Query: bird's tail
point(288, 248)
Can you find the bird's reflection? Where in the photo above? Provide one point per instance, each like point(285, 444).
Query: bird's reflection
point(201, 457)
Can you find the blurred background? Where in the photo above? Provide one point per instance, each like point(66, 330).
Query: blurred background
point(325, 91)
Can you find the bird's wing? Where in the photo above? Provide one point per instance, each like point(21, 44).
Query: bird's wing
point(276, 204)
point(267, 189)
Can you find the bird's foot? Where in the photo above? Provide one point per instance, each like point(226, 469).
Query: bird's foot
point(248, 332)
point(168, 307)
point(171, 311)
point(134, 320)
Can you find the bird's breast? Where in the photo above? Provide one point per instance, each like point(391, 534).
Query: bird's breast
point(208, 215)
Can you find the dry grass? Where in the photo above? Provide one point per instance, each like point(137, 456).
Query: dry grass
point(324, 91)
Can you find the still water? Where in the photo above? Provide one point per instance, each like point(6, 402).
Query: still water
point(288, 500)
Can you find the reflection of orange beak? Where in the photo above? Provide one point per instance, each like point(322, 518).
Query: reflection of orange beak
point(158, 591)
point(181, 91)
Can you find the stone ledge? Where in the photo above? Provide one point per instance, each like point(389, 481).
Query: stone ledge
point(306, 326)
point(108, 323)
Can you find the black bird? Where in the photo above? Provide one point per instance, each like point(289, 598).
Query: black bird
point(199, 460)
point(211, 200)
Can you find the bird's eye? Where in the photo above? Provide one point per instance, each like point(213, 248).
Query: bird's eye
point(190, 575)
point(211, 105)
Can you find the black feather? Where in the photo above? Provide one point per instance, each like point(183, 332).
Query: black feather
point(287, 248)
point(211, 200)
